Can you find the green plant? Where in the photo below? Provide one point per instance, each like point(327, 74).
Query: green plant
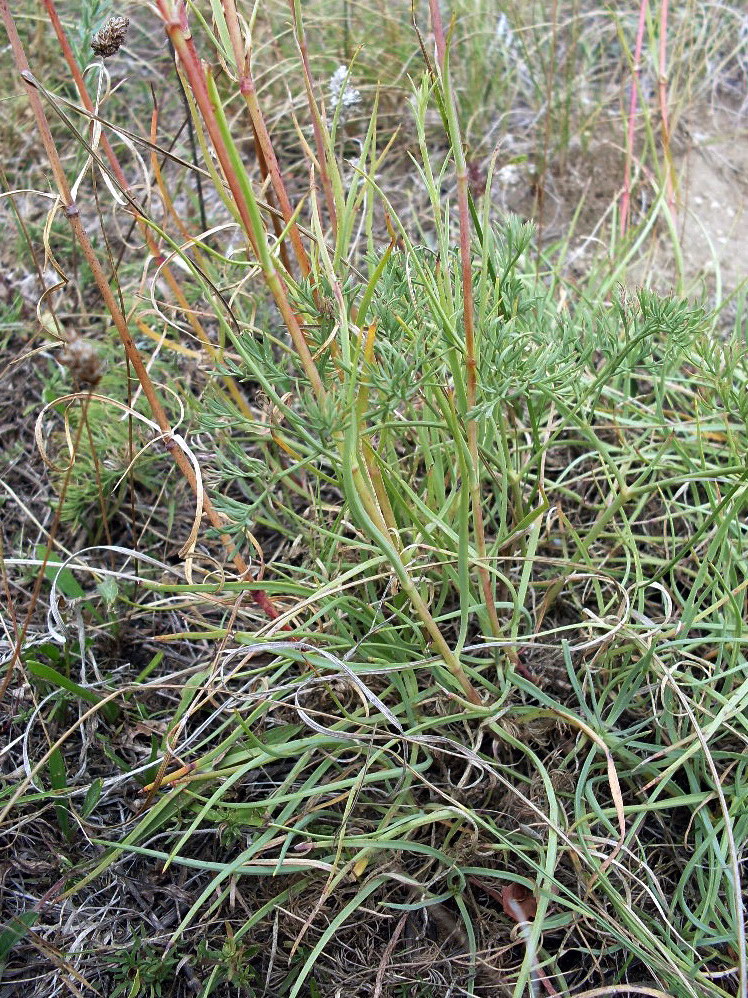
point(142, 970)
point(498, 651)
point(232, 963)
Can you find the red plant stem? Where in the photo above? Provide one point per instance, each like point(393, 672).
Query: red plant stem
point(81, 88)
point(145, 231)
point(178, 30)
point(242, 63)
point(277, 224)
point(464, 216)
point(437, 27)
point(550, 84)
point(263, 144)
point(635, 76)
point(72, 213)
point(466, 266)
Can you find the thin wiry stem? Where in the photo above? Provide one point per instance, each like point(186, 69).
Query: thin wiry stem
point(631, 132)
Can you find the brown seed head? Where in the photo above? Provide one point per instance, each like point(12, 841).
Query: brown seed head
point(81, 359)
point(110, 37)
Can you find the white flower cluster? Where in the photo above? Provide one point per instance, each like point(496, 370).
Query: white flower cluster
point(504, 41)
point(509, 175)
point(342, 94)
point(503, 36)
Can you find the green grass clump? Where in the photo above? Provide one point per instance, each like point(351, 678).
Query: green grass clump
point(474, 719)
point(603, 769)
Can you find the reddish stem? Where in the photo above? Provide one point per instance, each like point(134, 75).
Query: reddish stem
point(178, 30)
point(266, 157)
point(466, 274)
point(635, 77)
point(437, 27)
point(316, 118)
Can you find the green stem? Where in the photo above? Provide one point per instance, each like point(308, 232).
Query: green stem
point(471, 363)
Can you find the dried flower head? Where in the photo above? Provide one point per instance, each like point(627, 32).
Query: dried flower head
point(110, 37)
point(81, 359)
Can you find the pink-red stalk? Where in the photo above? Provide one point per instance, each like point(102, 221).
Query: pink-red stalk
point(316, 118)
point(633, 100)
point(662, 89)
point(263, 143)
point(178, 30)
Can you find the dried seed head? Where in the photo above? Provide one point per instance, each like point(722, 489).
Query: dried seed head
point(81, 359)
point(108, 39)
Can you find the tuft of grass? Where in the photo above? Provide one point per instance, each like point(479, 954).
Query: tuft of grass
point(447, 691)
